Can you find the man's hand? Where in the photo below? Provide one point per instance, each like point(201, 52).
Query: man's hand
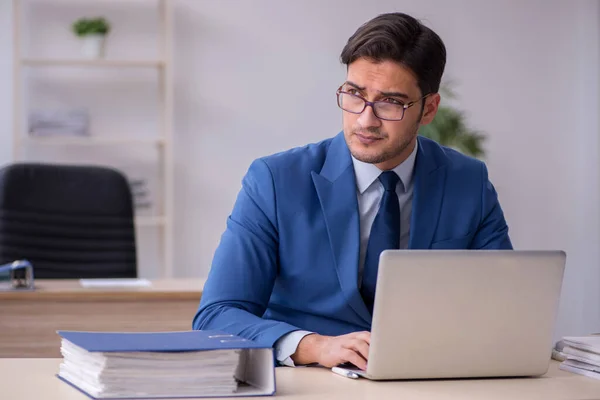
point(330, 351)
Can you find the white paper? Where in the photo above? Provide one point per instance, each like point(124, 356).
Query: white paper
point(585, 343)
point(107, 283)
point(169, 374)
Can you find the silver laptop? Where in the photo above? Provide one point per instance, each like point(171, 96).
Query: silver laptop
point(464, 313)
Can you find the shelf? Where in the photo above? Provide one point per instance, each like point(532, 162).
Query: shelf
point(90, 141)
point(79, 2)
point(40, 62)
point(31, 147)
point(149, 221)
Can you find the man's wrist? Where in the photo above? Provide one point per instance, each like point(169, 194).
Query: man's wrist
point(308, 349)
point(287, 345)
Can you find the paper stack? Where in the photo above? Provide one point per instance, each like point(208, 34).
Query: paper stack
point(59, 122)
point(165, 365)
point(582, 355)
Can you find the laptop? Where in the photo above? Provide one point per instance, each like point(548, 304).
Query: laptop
point(464, 313)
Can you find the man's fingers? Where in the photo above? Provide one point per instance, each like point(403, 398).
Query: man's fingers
point(360, 346)
point(366, 336)
point(353, 357)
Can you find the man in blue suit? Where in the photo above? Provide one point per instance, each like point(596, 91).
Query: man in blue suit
point(297, 265)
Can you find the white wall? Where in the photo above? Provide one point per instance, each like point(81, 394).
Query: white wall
point(5, 80)
point(256, 77)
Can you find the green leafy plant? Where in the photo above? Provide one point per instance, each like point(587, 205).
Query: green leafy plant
point(449, 128)
point(91, 26)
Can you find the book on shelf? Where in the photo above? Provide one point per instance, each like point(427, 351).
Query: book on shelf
point(120, 365)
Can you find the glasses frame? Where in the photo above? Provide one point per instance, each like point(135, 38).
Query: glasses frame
point(405, 107)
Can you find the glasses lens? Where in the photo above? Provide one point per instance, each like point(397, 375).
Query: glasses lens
point(389, 111)
point(351, 103)
point(384, 110)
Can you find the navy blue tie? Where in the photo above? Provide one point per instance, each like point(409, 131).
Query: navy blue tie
point(385, 234)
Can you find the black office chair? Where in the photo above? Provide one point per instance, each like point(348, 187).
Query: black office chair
point(69, 221)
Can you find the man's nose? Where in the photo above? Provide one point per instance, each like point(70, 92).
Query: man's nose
point(368, 118)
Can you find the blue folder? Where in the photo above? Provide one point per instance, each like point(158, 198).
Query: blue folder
point(256, 367)
point(157, 341)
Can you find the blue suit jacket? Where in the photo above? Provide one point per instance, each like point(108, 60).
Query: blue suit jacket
point(288, 259)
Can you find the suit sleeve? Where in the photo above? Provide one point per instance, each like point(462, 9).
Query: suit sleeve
point(245, 265)
point(492, 233)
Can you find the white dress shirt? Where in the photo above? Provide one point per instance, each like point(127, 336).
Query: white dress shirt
point(369, 192)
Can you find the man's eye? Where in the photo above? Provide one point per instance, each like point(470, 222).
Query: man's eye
point(393, 101)
point(353, 91)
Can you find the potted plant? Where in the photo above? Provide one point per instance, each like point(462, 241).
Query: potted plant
point(92, 32)
point(449, 128)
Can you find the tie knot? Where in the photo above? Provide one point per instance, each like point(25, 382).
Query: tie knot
point(389, 180)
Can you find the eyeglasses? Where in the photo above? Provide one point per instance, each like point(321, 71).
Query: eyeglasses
point(384, 110)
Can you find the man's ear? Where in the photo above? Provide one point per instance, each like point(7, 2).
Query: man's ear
point(432, 102)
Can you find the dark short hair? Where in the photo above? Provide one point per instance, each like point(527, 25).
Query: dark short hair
point(401, 38)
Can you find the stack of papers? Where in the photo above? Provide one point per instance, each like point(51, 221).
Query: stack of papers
point(115, 283)
point(59, 122)
point(162, 365)
point(582, 355)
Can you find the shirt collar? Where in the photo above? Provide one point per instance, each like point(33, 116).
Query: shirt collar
point(367, 173)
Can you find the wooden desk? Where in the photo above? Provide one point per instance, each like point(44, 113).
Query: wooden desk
point(22, 379)
point(29, 320)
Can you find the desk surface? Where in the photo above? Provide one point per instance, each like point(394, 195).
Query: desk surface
point(22, 379)
point(29, 319)
point(71, 289)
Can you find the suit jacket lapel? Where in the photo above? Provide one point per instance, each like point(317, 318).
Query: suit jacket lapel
point(430, 177)
point(336, 189)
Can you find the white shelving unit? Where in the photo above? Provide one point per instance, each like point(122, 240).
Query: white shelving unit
point(92, 141)
point(93, 63)
point(163, 142)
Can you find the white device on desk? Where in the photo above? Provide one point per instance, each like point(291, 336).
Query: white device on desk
point(464, 313)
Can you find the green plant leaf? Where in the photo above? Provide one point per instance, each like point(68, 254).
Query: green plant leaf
point(449, 128)
point(91, 26)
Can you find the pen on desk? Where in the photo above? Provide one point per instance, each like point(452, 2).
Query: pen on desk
point(344, 372)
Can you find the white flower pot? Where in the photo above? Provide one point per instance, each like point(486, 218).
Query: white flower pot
point(92, 46)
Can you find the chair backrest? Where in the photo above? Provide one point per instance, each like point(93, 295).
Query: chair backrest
point(69, 221)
